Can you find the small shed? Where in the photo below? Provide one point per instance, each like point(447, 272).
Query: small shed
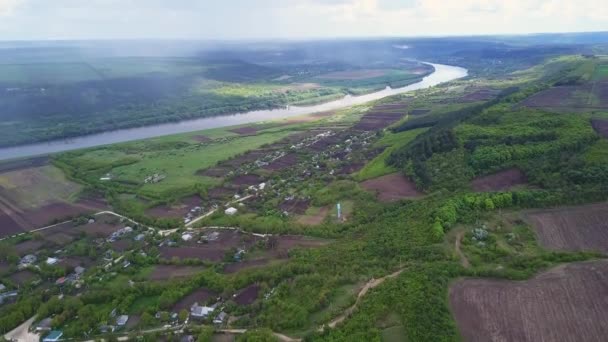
point(45, 324)
point(231, 211)
point(122, 320)
point(53, 336)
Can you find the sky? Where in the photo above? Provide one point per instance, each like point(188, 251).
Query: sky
point(292, 19)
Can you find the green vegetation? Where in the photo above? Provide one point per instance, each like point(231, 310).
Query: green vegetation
point(390, 141)
point(402, 253)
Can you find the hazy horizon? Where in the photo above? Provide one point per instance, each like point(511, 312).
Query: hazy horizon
point(233, 20)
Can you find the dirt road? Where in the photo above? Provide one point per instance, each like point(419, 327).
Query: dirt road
point(368, 286)
point(463, 258)
point(22, 333)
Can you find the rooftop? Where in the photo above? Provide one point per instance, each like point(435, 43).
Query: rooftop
point(122, 320)
point(53, 336)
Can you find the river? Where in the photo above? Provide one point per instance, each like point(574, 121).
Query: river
point(443, 73)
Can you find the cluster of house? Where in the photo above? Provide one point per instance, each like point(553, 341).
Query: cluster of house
point(192, 214)
point(312, 140)
point(73, 278)
point(119, 233)
point(200, 312)
point(254, 188)
point(155, 178)
point(7, 296)
point(27, 261)
point(120, 322)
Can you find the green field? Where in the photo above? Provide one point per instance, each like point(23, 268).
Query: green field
point(601, 72)
point(178, 158)
point(378, 167)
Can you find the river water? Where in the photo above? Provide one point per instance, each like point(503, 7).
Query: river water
point(443, 73)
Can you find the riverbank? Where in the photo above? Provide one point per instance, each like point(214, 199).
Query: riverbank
point(442, 74)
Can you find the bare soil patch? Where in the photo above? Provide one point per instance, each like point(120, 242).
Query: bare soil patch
point(178, 210)
point(316, 219)
point(4, 267)
point(244, 265)
point(20, 164)
point(282, 163)
point(499, 181)
point(54, 213)
point(8, 226)
point(60, 238)
point(249, 130)
point(248, 295)
point(165, 272)
point(121, 245)
point(213, 250)
point(391, 187)
point(392, 107)
point(566, 303)
point(220, 193)
point(213, 172)
point(102, 227)
point(22, 277)
point(246, 180)
point(375, 120)
point(288, 242)
point(295, 206)
point(201, 138)
point(484, 94)
point(600, 126)
point(201, 296)
point(571, 98)
point(28, 247)
point(572, 228)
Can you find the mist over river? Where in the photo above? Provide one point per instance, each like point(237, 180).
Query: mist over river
point(443, 73)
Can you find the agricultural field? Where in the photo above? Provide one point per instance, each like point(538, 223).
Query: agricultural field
point(502, 180)
point(581, 228)
point(557, 305)
point(392, 187)
point(36, 196)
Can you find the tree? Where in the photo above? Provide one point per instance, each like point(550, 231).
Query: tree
point(183, 315)
point(147, 319)
point(258, 335)
point(206, 334)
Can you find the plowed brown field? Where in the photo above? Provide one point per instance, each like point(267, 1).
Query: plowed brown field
point(567, 303)
point(391, 187)
point(572, 228)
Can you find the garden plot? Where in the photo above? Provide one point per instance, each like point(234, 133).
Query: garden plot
point(212, 246)
point(601, 127)
point(201, 296)
point(248, 130)
point(580, 228)
point(376, 120)
point(282, 163)
point(181, 209)
point(502, 180)
point(247, 295)
point(391, 188)
point(166, 272)
point(567, 303)
point(571, 98)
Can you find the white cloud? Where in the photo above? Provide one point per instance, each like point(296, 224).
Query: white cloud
point(7, 7)
point(293, 18)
